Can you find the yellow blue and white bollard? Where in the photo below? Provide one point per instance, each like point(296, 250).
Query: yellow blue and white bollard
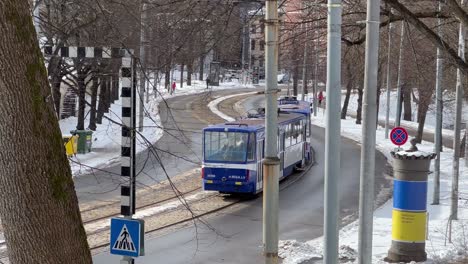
point(409, 216)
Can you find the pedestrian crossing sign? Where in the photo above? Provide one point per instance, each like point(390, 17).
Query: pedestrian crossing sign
point(126, 237)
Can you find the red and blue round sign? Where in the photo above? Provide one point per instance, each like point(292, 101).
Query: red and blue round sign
point(399, 136)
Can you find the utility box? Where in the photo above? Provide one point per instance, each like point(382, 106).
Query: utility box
point(85, 139)
point(409, 215)
point(71, 144)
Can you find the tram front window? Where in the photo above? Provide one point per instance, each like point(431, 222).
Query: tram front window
point(226, 146)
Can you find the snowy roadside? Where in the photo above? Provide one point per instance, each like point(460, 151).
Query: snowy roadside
point(295, 252)
point(107, 137)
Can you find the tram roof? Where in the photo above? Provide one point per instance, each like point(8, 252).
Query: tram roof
point(252, 124)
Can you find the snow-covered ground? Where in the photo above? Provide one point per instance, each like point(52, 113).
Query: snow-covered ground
point(448, 111)
point(438, 248)
point(107, 137)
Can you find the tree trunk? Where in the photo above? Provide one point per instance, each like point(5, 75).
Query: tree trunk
point(380, 78)
point(56, 79)
point(344, 110)
point(56, 94)
point(359, 109)
point(81, 99)
point(102, 103)
point(108, 94)
point(38, 203)
point(295, 77)
point(349, 87)
point(189, 73)
point(92, 112)
point(115, 69)
point(167, 78)
point(182, 75)
point(406, 90)
point(157, 82)
point(202, 64)
point(425, 97)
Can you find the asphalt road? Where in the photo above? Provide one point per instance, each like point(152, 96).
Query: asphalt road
point(235, 235)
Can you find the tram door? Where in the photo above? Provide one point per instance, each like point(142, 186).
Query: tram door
point(260, 147)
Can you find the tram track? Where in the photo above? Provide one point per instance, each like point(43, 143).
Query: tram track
point(218, 203)
point(170, 218)
point(115, 207)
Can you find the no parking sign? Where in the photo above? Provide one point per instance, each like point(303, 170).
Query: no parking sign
point(399, 136)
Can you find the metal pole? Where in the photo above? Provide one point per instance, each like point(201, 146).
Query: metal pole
point(271, 161)
point(438, 129)
point(332, 136)
point(458, 115)
point(304, 66)
point(369, 126)
point(128, 149)
point(389, 78)
point(400, 62)
point(316, 69)
point(143, 65)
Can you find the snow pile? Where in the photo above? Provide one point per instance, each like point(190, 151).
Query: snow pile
point(438, 247)
point(107, 137)
point(296, 252)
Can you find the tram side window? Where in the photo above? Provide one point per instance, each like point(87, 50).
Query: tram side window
point(299, 131)
point(288, 135)
point(294, 133)
point(251, 147)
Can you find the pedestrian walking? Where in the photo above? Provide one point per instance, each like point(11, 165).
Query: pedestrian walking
point(173, 88)
point(320, 98)
point(207, 83)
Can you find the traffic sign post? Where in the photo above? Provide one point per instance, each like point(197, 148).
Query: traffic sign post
point(127, 237)
point(399, 136)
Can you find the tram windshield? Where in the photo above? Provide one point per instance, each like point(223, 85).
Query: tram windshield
point(223, 146)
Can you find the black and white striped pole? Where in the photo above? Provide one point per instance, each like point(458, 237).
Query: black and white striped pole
point(127, 188)
point(128, 149)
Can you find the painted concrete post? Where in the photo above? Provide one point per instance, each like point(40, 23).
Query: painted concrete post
point(409, 216)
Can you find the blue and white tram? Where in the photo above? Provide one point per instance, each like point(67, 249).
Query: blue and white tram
point(233, 152)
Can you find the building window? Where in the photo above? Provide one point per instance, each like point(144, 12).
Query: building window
point(261, 63)
point(262, 45)
point(253, 29)
point(262, 28)
point(252, 44)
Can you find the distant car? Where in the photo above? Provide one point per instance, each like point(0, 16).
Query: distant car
point(283, 78)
